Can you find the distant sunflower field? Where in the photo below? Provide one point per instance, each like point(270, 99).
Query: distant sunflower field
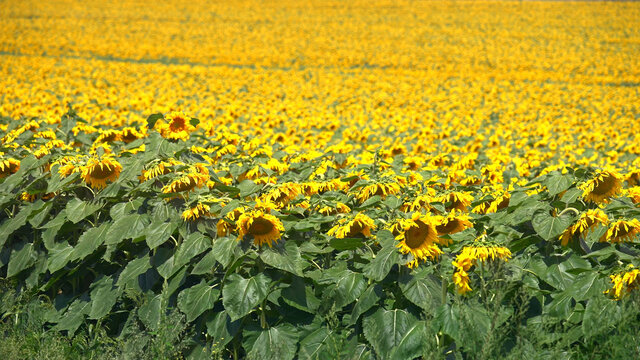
point(319, 179)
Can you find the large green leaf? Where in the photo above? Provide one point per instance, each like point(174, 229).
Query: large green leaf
point(150, 312)
point(225, 249)
point(77, 209)
point(300, 296)
point(59, 256)
point(557, 183)
point(346, 243)
point(157, 233)
point(366, 301)
point(320, 344)
point(205, 265)
point(22, 257)
point(284, 257)
point(240, 296)
point(423, 289)
point(74, 315)
point(278, 342)
point(103, 297)
point(395, 334)
point(222, 329)
point(550, 227)
point(195, 244)
point(599, 315)
point(12, 224)
point(447, 320)
point(125, 227)
point(90, 241)
point(380, 266)
point(197, 299)
point(586, 286)
point(134, 269)
point(347, 288)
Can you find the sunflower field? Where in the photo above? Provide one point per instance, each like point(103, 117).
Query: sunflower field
point(319, 179)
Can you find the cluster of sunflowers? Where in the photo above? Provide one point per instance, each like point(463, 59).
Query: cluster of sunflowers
point(362, 136)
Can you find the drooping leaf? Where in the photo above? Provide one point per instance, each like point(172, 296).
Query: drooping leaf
point(90, 241)
point(380, 266)
point(240, 296)
point(134, 269)
point(550, 227)
point(77, 209)
point(157, 233)
point(394, 334)
point(22, 257)
point(278, 342)
point(284, 257)
point(222, 329)
point(103, 297)
point(197, 299)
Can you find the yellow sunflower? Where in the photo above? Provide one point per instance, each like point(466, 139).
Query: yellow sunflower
point(456, 200)
point(627, 280)
point(98, 170)
point(587, 222)
point(419, 237)
point(265, 228)
point(360, 225)
point(606, 184)
point(198, 211)
point(8, 167)
point(381, 189)
point(469, 256)
point(178, 126)
point(621, 231)
point(452, 223)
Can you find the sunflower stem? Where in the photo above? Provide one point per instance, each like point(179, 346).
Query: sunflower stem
point(569, 209)
point(445, 285)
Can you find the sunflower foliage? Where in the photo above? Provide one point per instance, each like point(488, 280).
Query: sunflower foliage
point(263, 253)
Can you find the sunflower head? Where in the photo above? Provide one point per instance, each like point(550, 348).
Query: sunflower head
point(98, 170)
point(198, 211)
point(622, 231)
point(606, 184)
point(264, 228)
point(419, 237)
point(8, 167)
point(177, 127)
point(360, 225)
point(452, 223)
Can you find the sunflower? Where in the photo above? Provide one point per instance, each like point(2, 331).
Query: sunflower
point(606, 184)
point(452, 223)
point(622, 231)
point(99, 170)
point(456, 200)
point(196, 212)
point(178, 126)
point(381, 189)
point(587, 222)
point(265, 228)
point(185, 183)
point(627, 280)
point(469, 256)
point(360, 225)
point(419, 237)
point(130, 134)
point(339, 208)
point(633, 194)
point(8, 167)
point(283, 193)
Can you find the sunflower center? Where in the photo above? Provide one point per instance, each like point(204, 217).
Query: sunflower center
point(101, 172)
point(449, 227)
point(260, 226)
point(177, 124)
point(605, 186)
point(416, 236)
point(355, 229)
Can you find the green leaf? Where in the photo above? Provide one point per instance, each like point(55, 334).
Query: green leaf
point(284, 257)
point(222, 329)
point(225, 249)
point(157, 233)
point(550, 227)
point(248, 187)
point(59, 256)
point(152, 119)
point(279, 342)
point(588, 285)
point(205, 265)
point(372, 201)
point(558, 183)
point(194, 122)
point(395, 334)
point(22, 257)
point(240, 296)
point(77, 209)
point(348, 287)
point(89, 241)
point(300, 296)
point(125, 227)
point(424, 290)
point(12, 224)
point(133, 270)
point(103, 297)
point(380, 266)
point(74, 316)
point(447, 320)
point(560, 306)
point(151, 311)
point(197, 299)
point(195, 244)
point(320, 344)
point(366, 301)
point(346, 243)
